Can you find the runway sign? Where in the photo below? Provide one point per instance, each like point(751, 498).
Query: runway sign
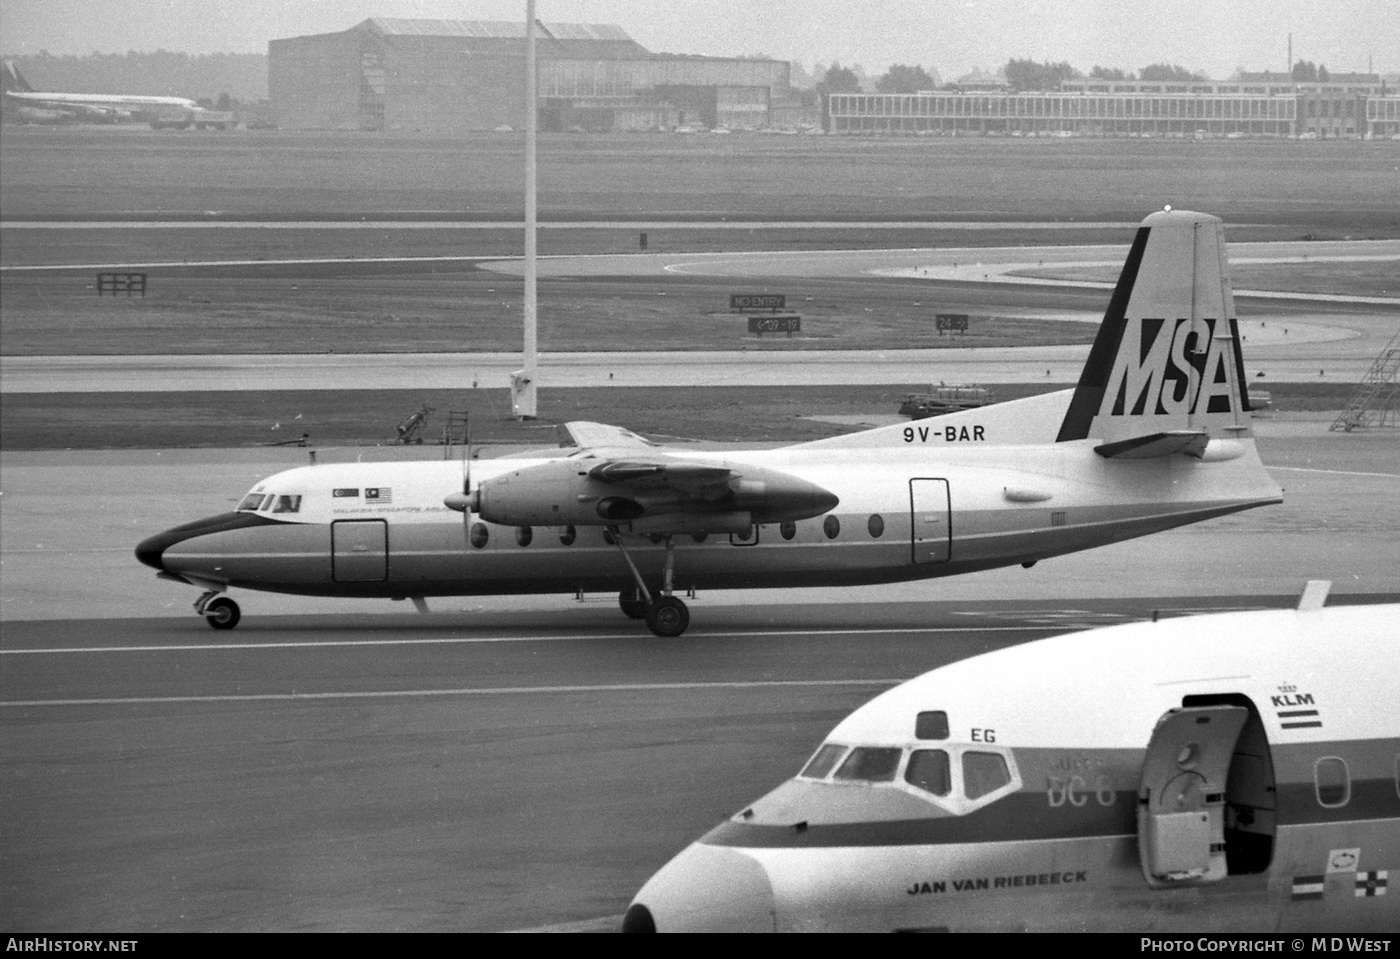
point(757, 301)
point(788, 323)
point(951, 321)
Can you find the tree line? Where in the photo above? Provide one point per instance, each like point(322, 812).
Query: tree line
point(1019, 75)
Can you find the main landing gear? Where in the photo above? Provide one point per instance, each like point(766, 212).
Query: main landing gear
point(665, 615)
point(218, 611)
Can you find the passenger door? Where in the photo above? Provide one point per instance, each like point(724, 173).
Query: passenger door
point(1181, 799)
point(931, 520)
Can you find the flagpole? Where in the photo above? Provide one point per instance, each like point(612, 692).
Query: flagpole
point(523, 383)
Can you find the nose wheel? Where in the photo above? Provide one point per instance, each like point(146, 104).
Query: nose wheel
point(220, 612)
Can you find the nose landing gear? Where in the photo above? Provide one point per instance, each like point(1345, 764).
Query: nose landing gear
point(220, 612)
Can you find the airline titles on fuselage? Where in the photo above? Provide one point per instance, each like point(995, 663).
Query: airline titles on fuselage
point(998, 882)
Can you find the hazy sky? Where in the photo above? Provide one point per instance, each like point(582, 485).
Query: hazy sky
point(953, 36)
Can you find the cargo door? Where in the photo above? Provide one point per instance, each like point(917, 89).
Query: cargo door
point(1181, 800)
point(931, 525)
point(360, 551)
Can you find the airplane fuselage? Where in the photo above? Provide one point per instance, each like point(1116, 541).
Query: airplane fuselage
point(922, 511)
point(1226, 773)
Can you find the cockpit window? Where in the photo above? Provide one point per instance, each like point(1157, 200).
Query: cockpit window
point(250, 502)
point(823, 762)
point(931, 725)
point(983, 773)
point(875, 764)
point(930, 771)
point(287, 504)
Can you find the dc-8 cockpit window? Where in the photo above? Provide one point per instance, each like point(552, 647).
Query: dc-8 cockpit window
point(873, 764)
point(930, 770)
point(823, 762)
point(983, 773)
point(287, 504)
point(250, 502)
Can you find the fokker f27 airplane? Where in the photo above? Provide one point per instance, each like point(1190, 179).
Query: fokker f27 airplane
point(1234, 772)
point(1156, 435)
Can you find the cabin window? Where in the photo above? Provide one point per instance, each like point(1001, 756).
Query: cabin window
point(930, 770)
point(480, 534)
point(250, 502)
point(568, 536)
point(873, 764)
point(823, 762)
point(983, 773)
point(931, 725)
point(287, 504)
point(876, 525)
point(1332, 781)
point(831, 526)
point(788, 529)
point(523, 535)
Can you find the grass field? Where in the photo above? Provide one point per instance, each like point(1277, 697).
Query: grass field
point(1321, 185)
point(52, 421)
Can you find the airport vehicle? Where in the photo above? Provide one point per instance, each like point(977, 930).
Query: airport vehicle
point(1155, 435)
point(1231, 772)
point(160, 112)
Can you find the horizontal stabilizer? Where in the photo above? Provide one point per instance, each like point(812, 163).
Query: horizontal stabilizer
point(1190, 442)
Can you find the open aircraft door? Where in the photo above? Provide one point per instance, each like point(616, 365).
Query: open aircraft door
point(359, 551)
point(1181, 800)
point(932, 521)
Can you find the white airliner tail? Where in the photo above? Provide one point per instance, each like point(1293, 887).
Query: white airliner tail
point(1165, 372)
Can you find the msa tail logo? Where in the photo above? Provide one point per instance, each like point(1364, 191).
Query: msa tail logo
point(1166, 367)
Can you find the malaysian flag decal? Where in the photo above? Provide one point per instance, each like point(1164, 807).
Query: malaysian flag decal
point(378, 494)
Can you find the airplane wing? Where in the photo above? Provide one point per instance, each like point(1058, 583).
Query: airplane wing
point(616, 476)
point(586, 435)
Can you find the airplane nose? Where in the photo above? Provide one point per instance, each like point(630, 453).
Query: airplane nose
point(705, 889)
point(151, 550)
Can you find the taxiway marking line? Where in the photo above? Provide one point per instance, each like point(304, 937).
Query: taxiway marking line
point(467, 691)
point(1304, 469)
point(459, 640)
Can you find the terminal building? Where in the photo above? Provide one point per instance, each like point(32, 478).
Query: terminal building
point(1258, 105)
point(455, 75)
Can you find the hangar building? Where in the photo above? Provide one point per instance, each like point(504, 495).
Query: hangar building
point(458, 75)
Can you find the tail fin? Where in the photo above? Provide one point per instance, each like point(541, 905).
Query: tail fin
point(12, 81)
point(1165, 372)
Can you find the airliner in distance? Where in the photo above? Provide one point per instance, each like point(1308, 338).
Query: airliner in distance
point(159, 111)
point(1233, 772)
point(1156, 435)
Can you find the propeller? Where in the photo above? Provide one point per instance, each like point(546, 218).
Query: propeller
point(465, 501)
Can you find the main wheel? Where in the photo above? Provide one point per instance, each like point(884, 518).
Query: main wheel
point(667, 617)
point(633, 606)
point(222, 613)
